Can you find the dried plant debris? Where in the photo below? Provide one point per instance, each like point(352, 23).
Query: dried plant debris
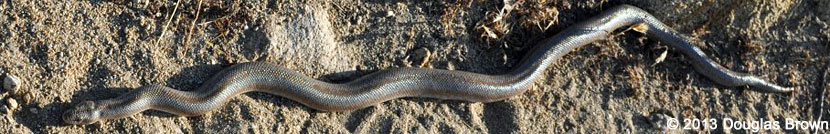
point(221, 17)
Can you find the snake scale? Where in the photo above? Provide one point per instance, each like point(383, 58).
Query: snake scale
point(395, 83)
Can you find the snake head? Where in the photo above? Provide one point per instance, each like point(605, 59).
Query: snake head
point(82, 114)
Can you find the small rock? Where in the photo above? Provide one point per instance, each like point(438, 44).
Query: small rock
point(5, 109)
point(33, 110)
point(450, 66)
point(390, 14)
point(424, 55)
point(11, 83)
point(11, 103)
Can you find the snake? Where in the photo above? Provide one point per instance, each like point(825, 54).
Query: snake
point(388, 84)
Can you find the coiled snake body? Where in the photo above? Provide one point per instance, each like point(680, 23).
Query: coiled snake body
point(403, 82)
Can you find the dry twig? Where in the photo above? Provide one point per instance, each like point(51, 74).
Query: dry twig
point(164, 30)
point(193, 24)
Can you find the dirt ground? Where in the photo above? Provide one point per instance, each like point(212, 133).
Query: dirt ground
point(71, 51)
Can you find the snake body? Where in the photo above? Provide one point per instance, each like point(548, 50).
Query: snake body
point(395, 83)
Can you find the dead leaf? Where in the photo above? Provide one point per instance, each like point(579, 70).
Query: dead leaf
point(490, 33)
point(661, 57)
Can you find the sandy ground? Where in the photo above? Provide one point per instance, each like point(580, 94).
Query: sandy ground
point(71, 51)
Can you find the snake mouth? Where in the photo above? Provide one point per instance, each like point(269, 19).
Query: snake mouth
point(71, 119)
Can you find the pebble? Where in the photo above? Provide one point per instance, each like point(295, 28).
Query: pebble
point(450, 66)
point(33, 110)
point(6, 109)
point(11, 103)
point(390, 14)
point(424, 55)
point(11, 83)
